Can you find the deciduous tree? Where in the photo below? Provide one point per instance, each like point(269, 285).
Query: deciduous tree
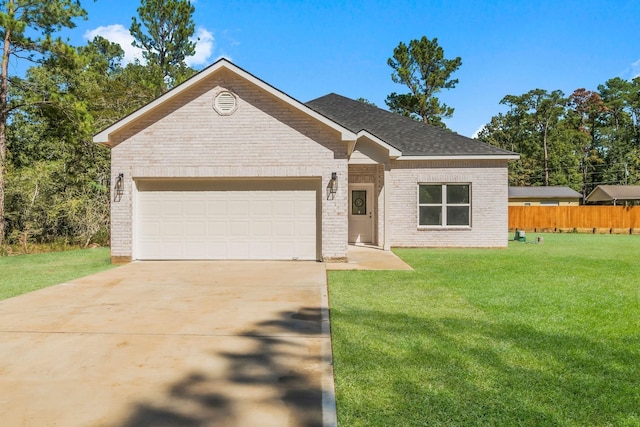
point(540, 111)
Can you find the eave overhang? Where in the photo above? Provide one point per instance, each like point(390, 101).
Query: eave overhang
point(464, 157)
point(105, 136)
point(394, 153)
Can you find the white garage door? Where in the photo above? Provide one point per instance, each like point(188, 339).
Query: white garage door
point(226, 220)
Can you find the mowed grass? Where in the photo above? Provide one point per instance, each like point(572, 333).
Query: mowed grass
point(25, 273)
point(532, 335)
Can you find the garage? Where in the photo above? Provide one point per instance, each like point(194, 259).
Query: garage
point(273, 219)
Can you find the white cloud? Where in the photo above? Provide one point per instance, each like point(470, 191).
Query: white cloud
point(118, 34)
point(477, 132)
point(635, 69)
point(205, 43)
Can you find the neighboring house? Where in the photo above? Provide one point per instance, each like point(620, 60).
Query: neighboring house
point(614, 194)
point(225, 166)
point(543, 196)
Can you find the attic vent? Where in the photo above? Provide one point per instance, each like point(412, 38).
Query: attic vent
point(225, 103)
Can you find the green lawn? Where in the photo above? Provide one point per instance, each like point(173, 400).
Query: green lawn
point(25, 273)
point(533, 335)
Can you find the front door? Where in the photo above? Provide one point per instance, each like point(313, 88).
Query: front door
point(361, 213)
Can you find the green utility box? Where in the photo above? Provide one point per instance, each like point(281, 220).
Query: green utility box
point(520, 236)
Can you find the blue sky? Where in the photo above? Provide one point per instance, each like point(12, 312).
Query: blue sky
point(310, 48)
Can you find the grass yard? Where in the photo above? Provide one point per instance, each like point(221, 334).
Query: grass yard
point(534, 335)
point(25, 273)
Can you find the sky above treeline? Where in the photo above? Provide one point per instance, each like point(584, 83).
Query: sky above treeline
point(310, 48)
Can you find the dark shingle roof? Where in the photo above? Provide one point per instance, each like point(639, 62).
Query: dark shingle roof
point(411, 137)
point(543, 193)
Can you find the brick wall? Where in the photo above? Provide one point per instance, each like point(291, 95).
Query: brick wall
point(489, 193)
point(265, 137)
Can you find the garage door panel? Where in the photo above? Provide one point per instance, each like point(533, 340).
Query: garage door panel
point(306, 207)
point(278, 224)
point(284, 207)
point(217, 228)
point(238, 250)
point(239, 229)
point(305, 231)
point(260, 250)
point(284, 229)
point(172, 229)
point(305, 252)
point(261, 228)
point(195, 229)
point(194, 249)
point(217, 207)
point(261, 208)
point(195, 208)
point(217, 250)
point(239, 207)
point(171, 208)
point(151, 207)
point(150, 229)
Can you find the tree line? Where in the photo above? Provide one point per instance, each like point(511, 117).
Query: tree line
point(54, 181)
point(582, 140)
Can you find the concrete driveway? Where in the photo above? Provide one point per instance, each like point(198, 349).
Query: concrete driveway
point(171, 344)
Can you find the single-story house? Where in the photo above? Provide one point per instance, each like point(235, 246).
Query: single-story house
point(225, 166)
point(544, 196)
point(614, 194)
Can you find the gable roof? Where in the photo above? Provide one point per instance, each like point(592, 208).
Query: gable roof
point(554, 192)
point(104, 137)
point(608, 193)
point(412, 138)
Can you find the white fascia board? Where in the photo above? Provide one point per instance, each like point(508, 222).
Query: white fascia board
point(104, 136)
point(394, 153)
point(466, 157)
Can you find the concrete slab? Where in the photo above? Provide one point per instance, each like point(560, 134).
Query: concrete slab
point(369, 258)
point(171, 344)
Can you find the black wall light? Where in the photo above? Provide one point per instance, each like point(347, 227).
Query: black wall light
point(118, 188)
point(332, 186)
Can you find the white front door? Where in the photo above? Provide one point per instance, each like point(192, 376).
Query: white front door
point(361, 213)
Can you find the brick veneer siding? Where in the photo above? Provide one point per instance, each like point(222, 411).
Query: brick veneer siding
point(489, 212)
point(265, 137)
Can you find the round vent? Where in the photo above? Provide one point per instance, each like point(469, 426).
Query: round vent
point(225, 103)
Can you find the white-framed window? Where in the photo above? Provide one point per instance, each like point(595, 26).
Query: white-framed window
point(444, 205)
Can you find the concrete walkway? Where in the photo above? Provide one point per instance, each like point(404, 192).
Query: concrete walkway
point(171, 344)
point(369, 258)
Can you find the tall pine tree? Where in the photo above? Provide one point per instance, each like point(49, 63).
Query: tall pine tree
point(26, 30)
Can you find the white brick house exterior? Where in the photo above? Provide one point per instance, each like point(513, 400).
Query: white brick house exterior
point(263, 154)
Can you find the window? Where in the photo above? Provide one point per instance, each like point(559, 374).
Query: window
point(444, 205)
point(358, 202)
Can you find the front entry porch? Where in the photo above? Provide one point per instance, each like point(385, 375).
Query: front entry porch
point(366, 208)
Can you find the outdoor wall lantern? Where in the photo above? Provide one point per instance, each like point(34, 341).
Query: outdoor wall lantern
point(118, 187)
point(332, 187)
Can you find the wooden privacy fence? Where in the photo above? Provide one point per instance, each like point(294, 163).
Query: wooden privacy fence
point(583, 219)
